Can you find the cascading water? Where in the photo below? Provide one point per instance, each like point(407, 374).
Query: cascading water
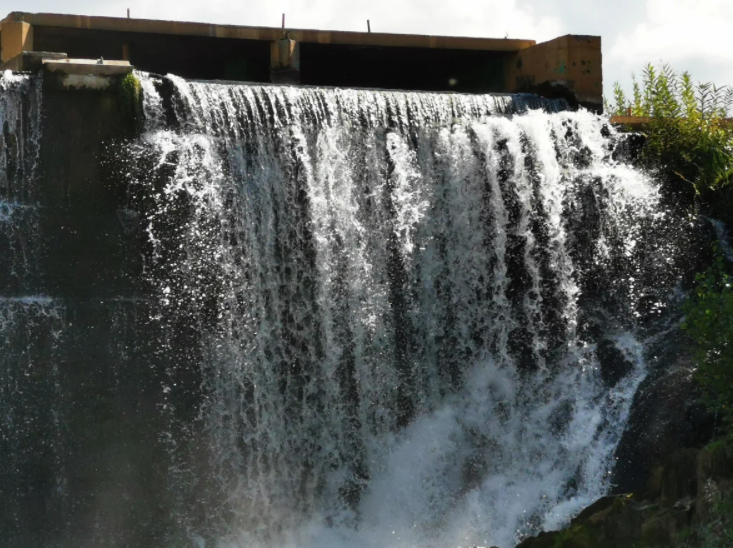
point(401, 301)
point(31, 324)
point(20, 117)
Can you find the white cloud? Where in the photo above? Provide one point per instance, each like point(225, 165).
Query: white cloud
point(679, 29)
point(692, 35)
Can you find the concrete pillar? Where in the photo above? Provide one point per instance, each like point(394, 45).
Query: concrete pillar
point(569, 66)
point(285, 62)
point(15, 38)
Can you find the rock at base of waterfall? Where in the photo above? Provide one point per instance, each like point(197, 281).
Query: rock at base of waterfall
point(685, 488)
point(667, 415)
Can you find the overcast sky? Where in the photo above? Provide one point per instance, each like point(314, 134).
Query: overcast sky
point(694, 35)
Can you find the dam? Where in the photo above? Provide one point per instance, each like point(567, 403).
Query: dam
point(569, 66)
point(384, 311)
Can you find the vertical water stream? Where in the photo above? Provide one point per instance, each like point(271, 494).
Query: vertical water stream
point(31, 323)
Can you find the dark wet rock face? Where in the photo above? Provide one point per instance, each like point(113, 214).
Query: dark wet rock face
point(667, 414)
point(682, 497)
point(613, 364)
point(630, 147)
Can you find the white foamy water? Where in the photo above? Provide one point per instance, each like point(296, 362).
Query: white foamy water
point(20, 132)
point(20, 116)
point(400, 296)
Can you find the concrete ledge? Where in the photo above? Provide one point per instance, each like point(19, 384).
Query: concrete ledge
point(634, 122)
point(88, 67)
point(637, 123)
point(30, 61)
point(84, 74)
point(568, 67)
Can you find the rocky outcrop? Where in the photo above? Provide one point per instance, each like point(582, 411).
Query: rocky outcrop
point(680, 498)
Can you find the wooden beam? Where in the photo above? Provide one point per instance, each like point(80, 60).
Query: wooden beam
point(630, 120)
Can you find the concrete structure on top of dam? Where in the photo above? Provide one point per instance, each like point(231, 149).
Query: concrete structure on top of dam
point(568, 66)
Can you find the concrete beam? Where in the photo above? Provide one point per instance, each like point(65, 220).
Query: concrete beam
point(636, 123)
point(272, 34)
point(569, 67)
point(88, 66)
point(16, 36)
point(285, 62)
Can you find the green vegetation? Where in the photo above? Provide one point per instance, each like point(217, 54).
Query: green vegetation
point(716, 531)
point(709, 321)
point(129, 91)
point(689, 136)
point(575, 536)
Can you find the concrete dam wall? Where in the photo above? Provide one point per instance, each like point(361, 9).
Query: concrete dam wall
point(80, 354)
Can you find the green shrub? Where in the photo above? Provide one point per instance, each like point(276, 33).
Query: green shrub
point(690, 136)
point(690, 146)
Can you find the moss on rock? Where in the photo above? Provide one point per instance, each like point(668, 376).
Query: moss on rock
point(129, 92)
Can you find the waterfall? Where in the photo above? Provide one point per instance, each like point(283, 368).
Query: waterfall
point(378, 319)
point(402, 300)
